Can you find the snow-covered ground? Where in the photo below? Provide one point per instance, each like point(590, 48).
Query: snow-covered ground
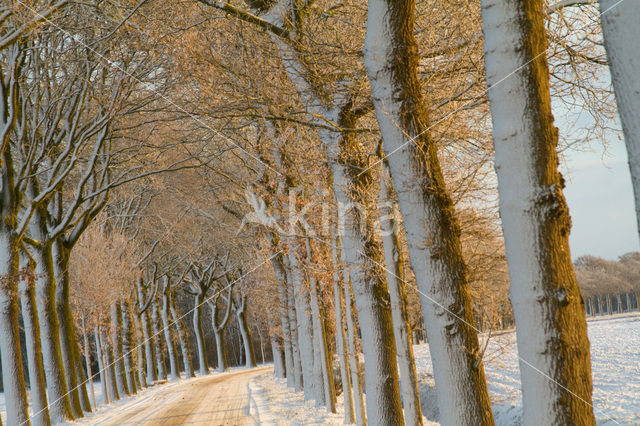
point(615, 351)
point(615, 360)
point(276, 404)
point(615, 357)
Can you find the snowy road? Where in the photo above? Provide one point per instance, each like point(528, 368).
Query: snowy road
point(213, 400)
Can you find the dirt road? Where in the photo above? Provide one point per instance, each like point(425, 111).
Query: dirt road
point(222, 399)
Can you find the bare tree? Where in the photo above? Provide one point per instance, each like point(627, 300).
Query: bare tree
point(553, 346)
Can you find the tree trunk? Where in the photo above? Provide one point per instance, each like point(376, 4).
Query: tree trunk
point(394, 260)
point(147, 334)
point(116, 344)
point(60, 403)
point(82, 378)
point(352, 347)
point(10, 350)
point(203, 362)
point(323, 358)
point(142, 350)
point(166, 328)
point(128, 346)
point(391, 60)
point(363, 255)
point(110, 363)
point(68, 339)
point(183, 338)
point(303, 319)
point(621, 32)
point(277, 353)
point(38, 387)
point(551, 329)
point(87, 360)
point(293, 330)
point(158, 350)
point(101, 365)
point(247, 341)
point(221, 351)
point(281, 277)
point(338, 295)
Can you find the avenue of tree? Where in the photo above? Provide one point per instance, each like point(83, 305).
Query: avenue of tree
point(188, 186)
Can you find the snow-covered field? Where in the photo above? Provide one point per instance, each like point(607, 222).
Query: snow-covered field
point(615, 359)
point(615, 350)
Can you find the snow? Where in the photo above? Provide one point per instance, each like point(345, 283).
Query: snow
point(615, 360)
point(273, 403)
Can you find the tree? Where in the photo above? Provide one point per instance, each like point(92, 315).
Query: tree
point(553, 346)
point(619, 25)
point(432, 231)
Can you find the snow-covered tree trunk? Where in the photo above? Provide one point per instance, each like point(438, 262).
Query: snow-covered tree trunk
point(87, 360)
point(102, 367)
point(158, 349)
point(10, 350)
point(319, 358)
point(142, 350)
point(394, 261)
point(350, 185)
point(303, 322)
point(352, 348)
point(323, 356)
point(82, 379)
point(281, 277)
point(431, 227)
point(148, 335)
point(118, 355)
point(110, 365)
point(341, 337)
point(183, 339)
point(551, 329)
point(59, 401)
point(621, 32)
point(243, 326)
point(128, 346)
point(34, 354)
point(277, 352)
point(166, 329)
point(221, 351)
point(68, 339)
point(293, 329)
point(203, 362)
point(219, 332)
point(363, 255)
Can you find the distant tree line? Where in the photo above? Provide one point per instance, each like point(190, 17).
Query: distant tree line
point(609, 286)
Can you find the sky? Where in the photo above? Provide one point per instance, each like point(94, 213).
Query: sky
point(600, 197)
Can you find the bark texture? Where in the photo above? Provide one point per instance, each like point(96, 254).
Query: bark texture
point(183, 338)
point(203, 361)
point(431, 227)
point(60, 403)
point(395, 278)
point(117, 349)
point(341, 336)
point(555, 365)
point(34, 354)
point(621, 34)
point(10, 348)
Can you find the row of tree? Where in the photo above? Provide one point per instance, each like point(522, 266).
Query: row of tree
point(328, 141)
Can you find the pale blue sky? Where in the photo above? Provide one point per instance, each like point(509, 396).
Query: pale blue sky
point(600, 198)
